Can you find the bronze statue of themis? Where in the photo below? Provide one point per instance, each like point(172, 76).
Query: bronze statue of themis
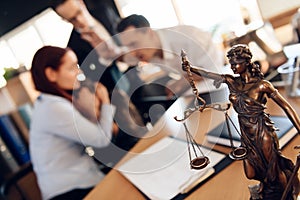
point(259, 150)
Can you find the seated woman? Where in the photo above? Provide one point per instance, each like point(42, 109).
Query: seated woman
point(63, 125)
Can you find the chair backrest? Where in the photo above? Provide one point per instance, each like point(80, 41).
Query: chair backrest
point(21, 185)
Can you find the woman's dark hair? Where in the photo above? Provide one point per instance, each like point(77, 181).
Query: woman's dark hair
point(138, 21)
point(47, 56)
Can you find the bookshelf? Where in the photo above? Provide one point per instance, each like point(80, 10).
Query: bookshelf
point(16, 100)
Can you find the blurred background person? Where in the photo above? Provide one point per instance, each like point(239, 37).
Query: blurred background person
point(63, 124)
point(162, 48)
point(93, 27)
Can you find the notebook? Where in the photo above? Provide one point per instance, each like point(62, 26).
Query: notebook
point(163, 170)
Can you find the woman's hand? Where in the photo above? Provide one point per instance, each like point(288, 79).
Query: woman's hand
point(103, 96)
point(102, 93)
point(88, 104)
point(89, 101)
point(115, 129)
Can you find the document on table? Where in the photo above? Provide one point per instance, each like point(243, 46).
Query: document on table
point(163, 170)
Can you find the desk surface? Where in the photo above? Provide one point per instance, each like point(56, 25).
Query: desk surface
point(230, 183)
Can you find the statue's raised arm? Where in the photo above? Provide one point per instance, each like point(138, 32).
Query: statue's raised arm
point(197, 70)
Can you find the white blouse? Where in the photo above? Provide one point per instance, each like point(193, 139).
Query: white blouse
point(58, 136)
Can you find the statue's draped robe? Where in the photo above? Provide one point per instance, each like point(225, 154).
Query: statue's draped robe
point(255, 128)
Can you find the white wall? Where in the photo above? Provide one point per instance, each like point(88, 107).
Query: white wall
point(270, 8)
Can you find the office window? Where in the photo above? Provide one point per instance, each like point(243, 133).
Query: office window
point(24, 44)
point(206, 14)
point(8, 60)
point(216, 16)
point(18, 46)
point(52, 29)
point(160, 13)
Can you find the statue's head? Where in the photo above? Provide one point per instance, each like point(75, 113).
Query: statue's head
point(239, 53)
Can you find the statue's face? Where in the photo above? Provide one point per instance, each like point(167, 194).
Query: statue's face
point(238, 66)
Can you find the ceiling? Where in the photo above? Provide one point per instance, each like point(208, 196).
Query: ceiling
point(15, 12)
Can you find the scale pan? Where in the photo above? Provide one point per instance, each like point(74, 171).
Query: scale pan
point(199, 162)
point(238, 154)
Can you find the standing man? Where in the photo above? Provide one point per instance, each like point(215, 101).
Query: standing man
point(91, 28)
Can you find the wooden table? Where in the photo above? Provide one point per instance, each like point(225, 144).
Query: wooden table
point(230, 183)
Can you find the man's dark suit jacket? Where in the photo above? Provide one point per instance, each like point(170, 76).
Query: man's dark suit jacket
point(87, 57)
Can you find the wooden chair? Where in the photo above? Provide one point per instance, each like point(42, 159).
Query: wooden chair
point(21, 185)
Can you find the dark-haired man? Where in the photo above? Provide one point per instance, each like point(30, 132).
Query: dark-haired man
point(92, 27)
point(162, 47)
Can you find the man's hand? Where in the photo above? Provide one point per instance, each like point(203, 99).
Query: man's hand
point(91, 36)
point(106, 49)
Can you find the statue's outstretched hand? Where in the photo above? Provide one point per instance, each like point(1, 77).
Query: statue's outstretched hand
point(217, 83)
point(185, 64)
